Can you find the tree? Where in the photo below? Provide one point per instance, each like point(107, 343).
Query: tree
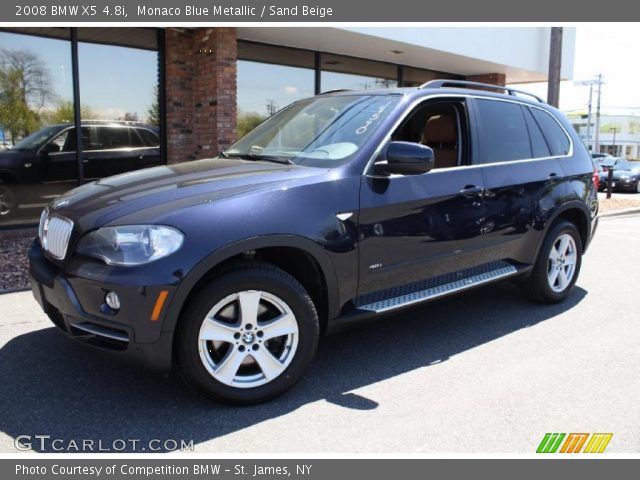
point(153, 112)
point(247, 122)
point(32, 73)
point(131, 117)
point(64, 113)
point(15, 115)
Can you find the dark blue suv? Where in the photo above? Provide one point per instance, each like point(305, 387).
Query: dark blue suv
point(338, 207)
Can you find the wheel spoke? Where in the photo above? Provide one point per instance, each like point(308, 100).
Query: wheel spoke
point(284, 324)
point(269, 364)
point(228, 368)
point(564, 244)
point(570, 259)
point(563, 280)
point(553, 275)
point(249, 303)
point(553, 255)
point(213, 329)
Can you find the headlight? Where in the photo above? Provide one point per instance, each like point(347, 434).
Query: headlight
point(130, 245)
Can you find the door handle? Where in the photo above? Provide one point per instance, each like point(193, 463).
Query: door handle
point(85, 160)
point(553, 176)
point(471, 191)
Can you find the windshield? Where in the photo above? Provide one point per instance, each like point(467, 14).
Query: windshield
point(36, 139)
point(320, 131)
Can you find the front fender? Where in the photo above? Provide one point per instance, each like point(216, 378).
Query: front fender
point(216, 258)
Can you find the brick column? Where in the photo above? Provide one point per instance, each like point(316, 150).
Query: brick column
point(492, 78)
point(201, 92)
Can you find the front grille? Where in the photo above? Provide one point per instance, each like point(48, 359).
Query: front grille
point(54, 232)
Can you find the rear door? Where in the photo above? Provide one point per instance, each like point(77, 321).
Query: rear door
point(149, 152)
point(114, 152)
point(522, 176)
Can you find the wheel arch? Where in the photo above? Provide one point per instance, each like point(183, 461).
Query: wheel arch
point(267, 249)
point(576, 213)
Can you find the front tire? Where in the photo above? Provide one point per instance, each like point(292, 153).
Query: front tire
point(557, 266)
point(248, 335)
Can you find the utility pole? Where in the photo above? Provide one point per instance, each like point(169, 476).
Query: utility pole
point(555, 64)
point(614, 142)
point(589, 116)
point(596, 146)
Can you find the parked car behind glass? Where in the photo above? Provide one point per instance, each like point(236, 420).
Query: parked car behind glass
point(35, 167)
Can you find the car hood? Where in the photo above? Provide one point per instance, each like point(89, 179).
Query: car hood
point(7, 156)
point(173, 187)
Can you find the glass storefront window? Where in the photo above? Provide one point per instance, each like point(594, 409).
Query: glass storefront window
point(118, 92)
point(340, 72)
point(270, 78)
point(36, 96)
point(263, 89)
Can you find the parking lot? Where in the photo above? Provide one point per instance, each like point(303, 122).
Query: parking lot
point(484, 372)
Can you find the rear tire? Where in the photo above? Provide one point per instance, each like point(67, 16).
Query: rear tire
point(248, 335)
point(557, 266)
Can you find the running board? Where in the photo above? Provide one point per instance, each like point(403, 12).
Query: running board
point(435, 287)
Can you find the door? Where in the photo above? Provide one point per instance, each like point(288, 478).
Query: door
point(418, 226)
point(149, 153)
point(113, 152)
point(520, 175)
point(62, 165)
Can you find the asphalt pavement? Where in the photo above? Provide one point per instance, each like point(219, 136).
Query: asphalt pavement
point(483, 372)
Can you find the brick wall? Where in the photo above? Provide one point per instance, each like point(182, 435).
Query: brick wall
point(200, 92)
point(492, 78)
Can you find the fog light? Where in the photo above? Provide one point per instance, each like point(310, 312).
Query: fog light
point(112, 300)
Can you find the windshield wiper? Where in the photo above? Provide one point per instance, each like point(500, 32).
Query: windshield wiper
point(266, 158)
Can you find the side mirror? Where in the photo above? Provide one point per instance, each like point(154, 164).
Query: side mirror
point(51, 148)
point(406, 158)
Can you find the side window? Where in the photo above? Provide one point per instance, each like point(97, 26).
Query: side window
point(503, 132)
point(69, 144)
point(150, 139)
point(440, 125)
point(62, 139)
point(113, 137)
point(539, 145)
point(556, 137)
point(135, 140)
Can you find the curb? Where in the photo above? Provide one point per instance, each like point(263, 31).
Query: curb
point(627, 211)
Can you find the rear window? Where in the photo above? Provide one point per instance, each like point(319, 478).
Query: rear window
point(557, 139)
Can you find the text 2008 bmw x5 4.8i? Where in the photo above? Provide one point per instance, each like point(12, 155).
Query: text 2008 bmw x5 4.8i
point(340, 206)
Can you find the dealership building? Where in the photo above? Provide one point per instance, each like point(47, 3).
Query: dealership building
point(210, 80)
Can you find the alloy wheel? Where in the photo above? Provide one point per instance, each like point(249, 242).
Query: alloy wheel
point(248, 339)
point(562, 263)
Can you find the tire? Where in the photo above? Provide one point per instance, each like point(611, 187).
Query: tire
point(7, 200)
point(560, 252)
point(238, 357)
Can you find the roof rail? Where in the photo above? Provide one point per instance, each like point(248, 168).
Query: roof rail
point(464, 83)
point(119, 122)
point(336, 90)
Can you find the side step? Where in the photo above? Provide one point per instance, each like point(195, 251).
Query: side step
point(435, 287)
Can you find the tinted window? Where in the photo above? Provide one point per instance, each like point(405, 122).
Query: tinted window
point(539, 145)
point(150, 138)
point(67, 140)
point(114, 137)
point(556, 138)
point(503, 132)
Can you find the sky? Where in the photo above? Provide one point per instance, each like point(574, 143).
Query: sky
point(614, 51)
point(113, 80)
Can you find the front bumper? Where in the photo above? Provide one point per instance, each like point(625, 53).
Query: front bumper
point(75, 305)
